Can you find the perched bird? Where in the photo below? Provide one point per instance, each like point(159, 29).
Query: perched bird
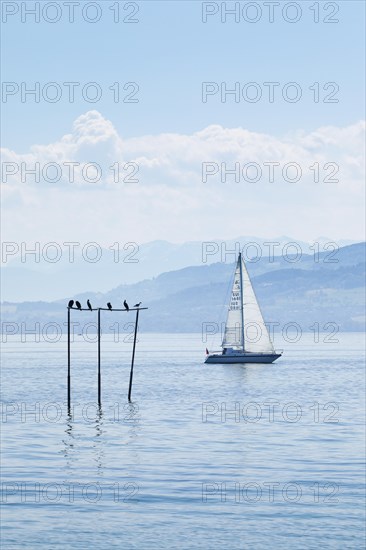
point(109, 306)
point(126, 305)
point(71, 303)
point(137, 305)
point(89, 305)
point(78, 304)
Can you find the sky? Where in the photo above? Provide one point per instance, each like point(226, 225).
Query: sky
point(182, 122)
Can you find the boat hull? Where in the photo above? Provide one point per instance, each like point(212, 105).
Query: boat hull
point(243, 358)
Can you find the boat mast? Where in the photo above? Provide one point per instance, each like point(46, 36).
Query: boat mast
point(242, 300)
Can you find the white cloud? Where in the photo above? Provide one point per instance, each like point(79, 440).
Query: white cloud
point(171, 201)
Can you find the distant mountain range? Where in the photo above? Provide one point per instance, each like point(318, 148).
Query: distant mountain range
point(329, 288)
point(28, 277)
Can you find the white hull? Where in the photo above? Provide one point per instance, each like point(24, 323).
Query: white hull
point(243, 358)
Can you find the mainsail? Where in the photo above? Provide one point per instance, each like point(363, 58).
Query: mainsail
point(245, 328)
point(233, 337)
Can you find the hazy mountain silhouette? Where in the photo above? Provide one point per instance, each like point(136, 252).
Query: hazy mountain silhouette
point(305, 292)
point(34, 280)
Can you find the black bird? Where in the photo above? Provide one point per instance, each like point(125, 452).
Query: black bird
point(109, 306)
point(126, 305)
point(137, 305)
point(71, 303)
point(78, 304)
point(89, 305)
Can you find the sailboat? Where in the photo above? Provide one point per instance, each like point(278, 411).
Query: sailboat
point(246, 338)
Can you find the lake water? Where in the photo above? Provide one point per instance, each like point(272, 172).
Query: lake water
point(206, 456)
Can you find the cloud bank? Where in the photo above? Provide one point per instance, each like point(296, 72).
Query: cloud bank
point(93, 184)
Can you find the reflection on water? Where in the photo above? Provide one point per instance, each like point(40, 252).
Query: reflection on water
point(133, 418)
point(68, 441)
point(154, 473)
point(82, 437)
point(98, 444)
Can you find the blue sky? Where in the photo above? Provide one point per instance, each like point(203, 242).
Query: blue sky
point(169, 53)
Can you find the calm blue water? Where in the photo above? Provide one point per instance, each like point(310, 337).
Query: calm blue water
point(170, 470)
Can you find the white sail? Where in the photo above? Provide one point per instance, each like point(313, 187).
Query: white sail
point(244, 308)
point(256, 337)
point(233, 337)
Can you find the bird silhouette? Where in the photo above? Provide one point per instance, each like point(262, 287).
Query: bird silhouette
point(137, 305)
point(71, 303)
point(109, 306)
point(78, 304)
point(126, 305)
point(89, 305)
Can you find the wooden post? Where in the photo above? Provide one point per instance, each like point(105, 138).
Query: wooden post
point(133, 355)
point(99, 374)
point(99, 353)
point(68, 361)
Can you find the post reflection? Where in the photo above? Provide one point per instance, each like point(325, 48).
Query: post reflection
point(99, 442)
point(69, 441)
